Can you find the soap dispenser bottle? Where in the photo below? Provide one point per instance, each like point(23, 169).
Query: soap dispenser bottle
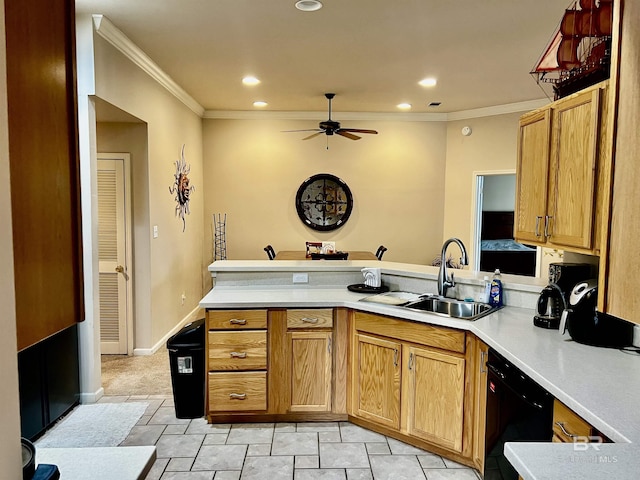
point(495, 295)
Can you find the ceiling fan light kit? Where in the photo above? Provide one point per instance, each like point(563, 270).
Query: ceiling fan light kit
point(308, 5)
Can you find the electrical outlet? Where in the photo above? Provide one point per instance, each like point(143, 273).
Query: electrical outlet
point(155, 231)
point(183, 297)
point(300, 278)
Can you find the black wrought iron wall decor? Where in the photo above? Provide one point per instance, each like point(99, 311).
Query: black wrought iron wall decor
point(324, 202)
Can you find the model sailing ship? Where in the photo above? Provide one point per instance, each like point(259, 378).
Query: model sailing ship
point(579, 54)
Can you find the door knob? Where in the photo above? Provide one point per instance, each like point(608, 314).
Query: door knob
point(121, 269)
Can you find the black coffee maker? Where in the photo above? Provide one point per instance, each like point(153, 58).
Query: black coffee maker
point(554, 298)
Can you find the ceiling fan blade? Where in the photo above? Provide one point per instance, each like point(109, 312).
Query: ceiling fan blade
point(347, 134)
point(357, 130)
point(305, 130)
point(314, 135)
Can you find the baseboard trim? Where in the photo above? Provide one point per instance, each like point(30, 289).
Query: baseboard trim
point(190, 317)
point(86, 398)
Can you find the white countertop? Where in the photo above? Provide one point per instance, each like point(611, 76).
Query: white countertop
point(601, 385)
point(99, 463)
point(553, 461)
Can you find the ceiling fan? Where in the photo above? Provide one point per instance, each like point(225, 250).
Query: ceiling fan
point(331, 127)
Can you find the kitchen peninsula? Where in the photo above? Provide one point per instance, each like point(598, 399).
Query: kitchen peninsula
point(599, 385)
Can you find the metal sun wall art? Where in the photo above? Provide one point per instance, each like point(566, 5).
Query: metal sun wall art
point(181, 188)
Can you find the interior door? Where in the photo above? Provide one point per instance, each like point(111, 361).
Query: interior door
point(114, 280)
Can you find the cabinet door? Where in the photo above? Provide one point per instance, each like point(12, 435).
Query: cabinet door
point(480, 352)
point(376, 382)
point(532, 177)
point(619, 281)
point(311, 367)
point(574, 153)
point(434, 397)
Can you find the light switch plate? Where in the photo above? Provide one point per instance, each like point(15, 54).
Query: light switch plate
point(300, 278)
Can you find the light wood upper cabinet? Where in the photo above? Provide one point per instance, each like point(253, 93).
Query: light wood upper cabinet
point(533, 174)
point(434, 396)
point(572, 182)
point(375, 381)
point(620, 263)
point(560, 172)
point(311, 370)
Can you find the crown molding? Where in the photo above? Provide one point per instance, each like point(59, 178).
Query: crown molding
point(108, 31)
point(373, 116)
point(498, 110)
point(282, 115)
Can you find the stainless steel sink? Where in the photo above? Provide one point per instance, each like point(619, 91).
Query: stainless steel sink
point(449, 307)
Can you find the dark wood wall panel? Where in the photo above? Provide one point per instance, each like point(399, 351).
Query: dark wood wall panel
point(44, 169)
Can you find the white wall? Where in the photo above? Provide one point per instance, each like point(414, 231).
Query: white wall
point(175, 258)
point(491, 147)
point(10, 457)
point(499, 193)
point(252, 171)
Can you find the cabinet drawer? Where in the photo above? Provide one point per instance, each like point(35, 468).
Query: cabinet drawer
point(421, 333)
point(237, 391)
point(567, 424)
point(310, 318)
point(236, 319)
point(245, 350)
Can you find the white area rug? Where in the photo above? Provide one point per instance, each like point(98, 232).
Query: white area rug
point(95, 425)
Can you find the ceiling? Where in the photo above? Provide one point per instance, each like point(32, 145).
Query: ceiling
point(371, 53)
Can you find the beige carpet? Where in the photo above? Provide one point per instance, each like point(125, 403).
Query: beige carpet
point(137, 375)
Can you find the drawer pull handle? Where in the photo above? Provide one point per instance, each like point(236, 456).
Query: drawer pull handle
point(238, 321)
point(238, 396)
point(564, 430)
point(238, 354)
point(310, 319)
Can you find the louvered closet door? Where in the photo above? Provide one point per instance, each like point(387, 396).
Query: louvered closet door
point(112, 256)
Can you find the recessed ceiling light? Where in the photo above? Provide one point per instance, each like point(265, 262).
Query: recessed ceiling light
point(404, 106)
point(260, 104)
point(308, 5)
point(428, 82)
point(250, 81)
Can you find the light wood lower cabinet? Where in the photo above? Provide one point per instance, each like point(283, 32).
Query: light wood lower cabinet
point(236, 361)
point(569, 427)
point(415, 382)
point(237, 391)
point(311, 366)
point(375, 382)
point(434, 396)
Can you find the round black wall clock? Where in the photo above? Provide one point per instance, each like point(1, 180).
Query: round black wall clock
point(324, 202)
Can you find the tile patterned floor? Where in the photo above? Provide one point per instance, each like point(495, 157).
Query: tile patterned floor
point(196, 450)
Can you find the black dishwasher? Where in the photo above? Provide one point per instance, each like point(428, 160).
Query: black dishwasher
point(518, 410)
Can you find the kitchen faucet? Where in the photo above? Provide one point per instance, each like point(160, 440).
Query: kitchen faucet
point(444, 280)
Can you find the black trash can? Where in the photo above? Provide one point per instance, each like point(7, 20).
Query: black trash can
point(186, 356)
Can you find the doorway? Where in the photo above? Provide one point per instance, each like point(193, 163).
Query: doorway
point(494, 227)
point(114, 253)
